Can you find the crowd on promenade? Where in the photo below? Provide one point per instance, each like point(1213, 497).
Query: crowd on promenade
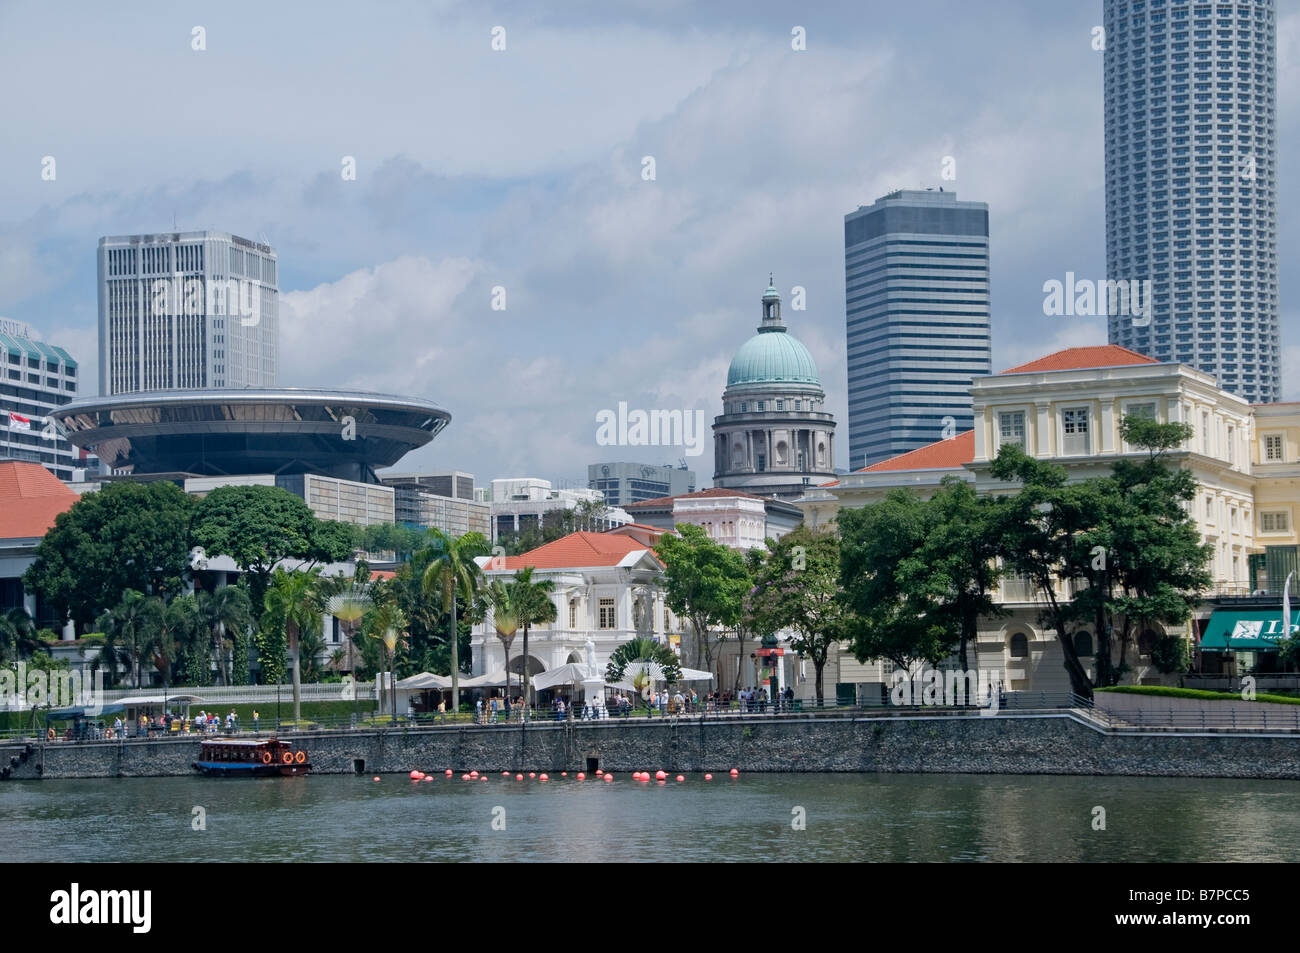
point(498, 710)
point(149, 724)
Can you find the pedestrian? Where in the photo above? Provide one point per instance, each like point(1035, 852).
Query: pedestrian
point(478, 710)
point(559, 709)
point(255, 720)
point(442, 709)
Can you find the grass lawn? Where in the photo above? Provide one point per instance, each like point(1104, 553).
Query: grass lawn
point(1168, 691)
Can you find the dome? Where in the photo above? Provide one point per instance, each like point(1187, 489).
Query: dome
point(773, 357)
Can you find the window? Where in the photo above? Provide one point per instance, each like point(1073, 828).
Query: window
point(1145, 411)
point(1273, 448)
point(1273, 522)
point(1074, 423)
point(1083, 644)
point(1019, 646)
point(573, 614)
point(607, 614)
point(1011, 428)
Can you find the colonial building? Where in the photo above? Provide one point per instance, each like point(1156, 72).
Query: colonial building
point(774, 437)
point(1067, 408)
point(731, 517)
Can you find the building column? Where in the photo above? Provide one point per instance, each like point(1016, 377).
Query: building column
point(1043, 430)
point(1107, 426)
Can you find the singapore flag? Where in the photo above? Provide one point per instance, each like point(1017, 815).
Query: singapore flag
point(18, 422)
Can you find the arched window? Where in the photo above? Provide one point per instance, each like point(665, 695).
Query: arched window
point(1019, 645)
point(1147, 642)
point(1083, 644)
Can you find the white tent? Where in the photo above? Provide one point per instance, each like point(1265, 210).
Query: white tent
point(571, 674)
point(424, 682)
point(495, 679)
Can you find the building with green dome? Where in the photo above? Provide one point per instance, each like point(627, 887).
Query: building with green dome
point(774, 437)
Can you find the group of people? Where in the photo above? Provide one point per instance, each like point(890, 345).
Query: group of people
point(203, 723)
point(491, 710)
point(750, 700)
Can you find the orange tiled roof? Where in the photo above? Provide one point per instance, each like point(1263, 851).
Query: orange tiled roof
point(575, 550)
point(698, 494)
point(1078, 358)
point(30, 498)
point(941, 455)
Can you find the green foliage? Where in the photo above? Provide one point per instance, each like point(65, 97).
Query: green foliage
point(1170, 654)
point(18, 636)
point(404, 541)
point(886, 583)
point(257, 526)
point(125, 536)
point(643, 650)
point(704, 582)
point(796, 586)
point(446, 567)
point(1169, 691)
point(130, 630)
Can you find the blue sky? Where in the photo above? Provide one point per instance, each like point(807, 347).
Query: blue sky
point(521, 168)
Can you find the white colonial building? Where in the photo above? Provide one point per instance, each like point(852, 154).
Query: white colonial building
point(1067, 408)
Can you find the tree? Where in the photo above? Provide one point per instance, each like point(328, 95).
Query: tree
point(386, 622)
point(642, 650)
point(220, 613)
point(449, 569)
point(125, 536)
point(533, 605)
point(298, 598)
point(1126, 536)
point(798, 588)
point(505, 619)
point(178, 638)
point(760, 614)
point(887, 585)
point(350, 606)
point(259, 526)
point(17, 635)
point(130, 629)
point(704, 582)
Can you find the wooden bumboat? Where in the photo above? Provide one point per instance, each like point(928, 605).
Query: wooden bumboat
point(249, 758)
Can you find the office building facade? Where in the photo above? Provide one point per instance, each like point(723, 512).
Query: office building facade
point(916, 281)
point(624, 483)
point(186, 311)
point(35, 379)
point(1191, 184)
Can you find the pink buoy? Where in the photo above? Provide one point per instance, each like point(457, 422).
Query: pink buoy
point(564, 774)
point(735, 772)
point(473, 774)
point(660, 775)
point(708, 777)
point(608, 777)
point(449, 772)
point(519, 777)
point(505, 774)
point(482, 777)
point(416, 775)
point(532, 774)
point(599, 772)
point(543, 778)
point(376, 777)
point(464, 777)
point(680, 778)
point(581, 776)
point(428, 778)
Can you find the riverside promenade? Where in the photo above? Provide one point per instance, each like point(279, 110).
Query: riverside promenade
point(1076, 741)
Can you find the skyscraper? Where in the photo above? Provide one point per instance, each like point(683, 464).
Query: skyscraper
point(1191, 192)
point(916, 293)
point(186, 311)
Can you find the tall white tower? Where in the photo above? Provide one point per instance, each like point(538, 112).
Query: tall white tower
point(186, 311)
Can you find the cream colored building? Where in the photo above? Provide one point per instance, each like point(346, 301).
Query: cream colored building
point(1067, 408)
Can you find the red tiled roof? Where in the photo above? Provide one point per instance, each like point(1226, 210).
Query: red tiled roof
point(941, 455)
point(575, 550)
point(30, 498)
point(1079, 358)
point(653, 529)
point(698, 494)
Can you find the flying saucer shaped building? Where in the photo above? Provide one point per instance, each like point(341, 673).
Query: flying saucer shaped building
point(281, 431)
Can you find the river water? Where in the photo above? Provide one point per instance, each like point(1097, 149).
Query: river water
point(858, 817)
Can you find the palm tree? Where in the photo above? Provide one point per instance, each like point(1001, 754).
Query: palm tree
point(130, 629)
point(505, 619)
point(17, 634)
point(226, 610)
point(350, 605)
point(638, 651)
point(387, 623)
point(450, 568)
point(177, 633)
point(533, 606)
point(299, 598)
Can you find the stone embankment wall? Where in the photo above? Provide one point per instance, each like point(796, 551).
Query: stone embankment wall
point(1006, 744)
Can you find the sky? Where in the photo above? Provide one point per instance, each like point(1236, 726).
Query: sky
point(523, 169)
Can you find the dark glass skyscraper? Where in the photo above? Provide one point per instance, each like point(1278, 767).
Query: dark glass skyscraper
point(1191, 184)
point(916, 280)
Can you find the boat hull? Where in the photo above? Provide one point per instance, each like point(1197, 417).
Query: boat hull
point(219, 769)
